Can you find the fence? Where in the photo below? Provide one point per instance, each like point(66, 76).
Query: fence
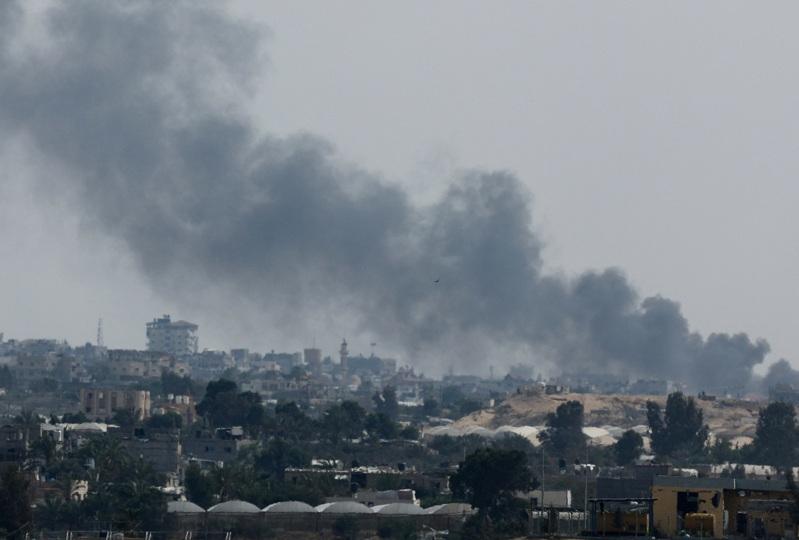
point(557, 522)
point(257, 526)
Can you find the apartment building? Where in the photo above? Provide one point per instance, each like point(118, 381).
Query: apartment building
point(178, 338)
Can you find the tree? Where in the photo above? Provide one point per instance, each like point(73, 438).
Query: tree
point(410, 433)
point(110, 458)
point(451, 396)
point(628, 448)
point(15, 502)
point(291, 423)
point(345, 420)
point(200, 487)
point(239, 480)
point(124, 418)
point(138, 497)
point(7, 380)
point(129, 495)
point(468, 406)
point(49, 514)
point(278, 456)
point(381, 426)
point(777, 435)
point(681, 431)
point(168, 420)
point(172, 383)
point(30, 424)
point(44, 448)
point(564, 433)
point(386, 402)
point(74, 418)
point(721, 451)
point(225, 406)
point(488, 479)
point(218, 394)
point(431, 407)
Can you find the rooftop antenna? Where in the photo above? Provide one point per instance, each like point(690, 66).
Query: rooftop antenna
point(100, 340)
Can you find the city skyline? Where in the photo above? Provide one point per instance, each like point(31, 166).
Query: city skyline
point(681, 252)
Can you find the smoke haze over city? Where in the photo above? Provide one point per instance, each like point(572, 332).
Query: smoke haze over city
point(135, 117)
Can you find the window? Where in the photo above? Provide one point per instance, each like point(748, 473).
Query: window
point(687, 502)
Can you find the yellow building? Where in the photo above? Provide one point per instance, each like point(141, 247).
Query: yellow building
point(722, 507)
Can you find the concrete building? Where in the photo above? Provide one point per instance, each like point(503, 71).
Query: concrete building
point(160, 447)
point(182, 405)
point(220, 445)
point(722, 507)
point(557, 498)
point(178, 338)
point(209, 364)
point(15, 442)
point(100, 403)
point(277, 386)
point(284, 361)
point(313, 359)
point(131, 365)
point(71, 369)
point(29, 368)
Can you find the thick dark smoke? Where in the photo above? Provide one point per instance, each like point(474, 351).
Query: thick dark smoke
point(781, 373)
point(137, 106)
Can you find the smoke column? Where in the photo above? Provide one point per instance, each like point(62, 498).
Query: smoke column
point(135, 104)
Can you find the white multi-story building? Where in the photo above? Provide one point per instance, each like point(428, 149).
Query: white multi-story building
point(178, 338)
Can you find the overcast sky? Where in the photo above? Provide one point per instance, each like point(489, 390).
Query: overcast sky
point(657, 138)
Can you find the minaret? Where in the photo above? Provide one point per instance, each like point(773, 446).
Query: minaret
point(343, 353)
point(100, 340)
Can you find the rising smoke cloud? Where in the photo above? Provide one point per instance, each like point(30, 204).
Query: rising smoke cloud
point(137, 104)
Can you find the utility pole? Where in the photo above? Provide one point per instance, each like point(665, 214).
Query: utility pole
point(585, 501)
point(543, 474)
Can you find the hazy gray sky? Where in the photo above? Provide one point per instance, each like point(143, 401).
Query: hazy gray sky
point(657, 138)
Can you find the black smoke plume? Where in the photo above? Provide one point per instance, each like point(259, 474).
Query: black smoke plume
point(137, 106)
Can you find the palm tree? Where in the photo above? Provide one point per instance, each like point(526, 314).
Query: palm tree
point(46, 449)
point(109, 455)
point(48, 514)
point(29, 422)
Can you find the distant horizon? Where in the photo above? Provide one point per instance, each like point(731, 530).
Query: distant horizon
point(427, 195)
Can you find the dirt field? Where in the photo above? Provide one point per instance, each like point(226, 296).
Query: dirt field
point(726, 418)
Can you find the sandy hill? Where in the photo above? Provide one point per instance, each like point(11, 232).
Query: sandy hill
point(726, 418)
